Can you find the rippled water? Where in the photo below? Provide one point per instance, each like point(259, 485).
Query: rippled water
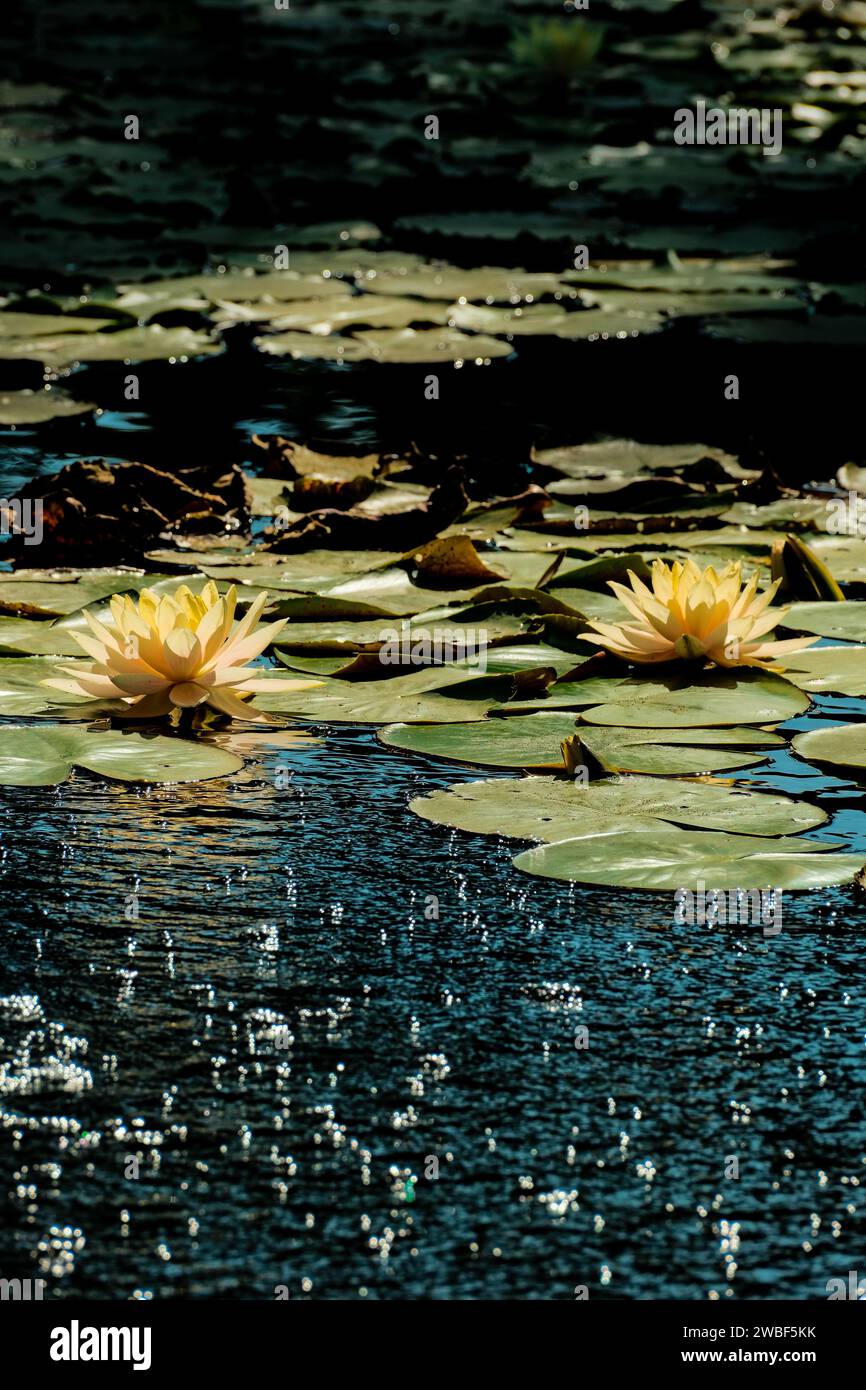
point(303, 902)
point(242, 992)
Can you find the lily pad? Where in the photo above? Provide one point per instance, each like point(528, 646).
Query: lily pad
point(54, 595)
point(22, 692)
point(845, 621)
point(431, 345)
point(843, 745)
point(35, 407)
point(485, 283)
point(840, 669)
point(845, 557)
point(599, 323)
point(29, 637)
point(661, 858)
point(43, 757)
point(675, 752)
point(326, 316)
point(17, 325)
point(744, 696)
point(630, 459)
point(555, 808)
point(534, 741)
point(127, 345)
point(443, 694)
point(196, 292)
point(524, 741)
point(387, 345)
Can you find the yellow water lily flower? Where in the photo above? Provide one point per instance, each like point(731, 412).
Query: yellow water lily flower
point(692, 615)
point(176, 651)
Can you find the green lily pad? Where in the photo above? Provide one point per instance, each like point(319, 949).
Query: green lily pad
point(628, 460)
point(22, 692)
point(533, 741)
point(35, 407)
point(487, 283)
point(325, 316)
point(689, 304)
point(840, 669)
point(836, 330)
point(675, 752)
point(852, 478)
point(524, 741)
point(30, 637)
point(127, 345)
point(788, 514)
point(845, 556)
point(845, 621)
point(555, 808)
point(843, 745)
point(744, 696)
point(388, 345)
point(43, 757)
point(521, 320)
point(18, 325)
point(433, 695)
point(57, 595)
point(196, 292)
point(662, 858)
point(599, 323)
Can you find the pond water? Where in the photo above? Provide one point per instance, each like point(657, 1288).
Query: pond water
point(430, 1129)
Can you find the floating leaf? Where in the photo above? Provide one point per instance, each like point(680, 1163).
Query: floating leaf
point(840, 669)
point(35, 407)
point(845, 621)
point(555, 808)
point(26, 636)
point(744, 696)
point(665, 859)
point(484, 283)
point(388, 345)
point(844, 557)
point(196, 292)
point(32, 592)
point(674, 752)
point(325, 316)
point(127, 345)
point(843, 745)
point(42, 757)
point(524, 741)
point(442, 694)
point(628, 459)
point(22, 692)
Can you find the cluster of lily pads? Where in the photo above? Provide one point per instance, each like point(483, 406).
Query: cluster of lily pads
point(377, 306)
point(651, 741)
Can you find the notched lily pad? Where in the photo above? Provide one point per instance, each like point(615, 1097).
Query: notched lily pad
point(555, 808)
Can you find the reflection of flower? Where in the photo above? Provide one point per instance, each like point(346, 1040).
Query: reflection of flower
point(696, 616)
point(176, 650)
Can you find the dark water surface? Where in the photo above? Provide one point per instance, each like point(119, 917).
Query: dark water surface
point(307, 905)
